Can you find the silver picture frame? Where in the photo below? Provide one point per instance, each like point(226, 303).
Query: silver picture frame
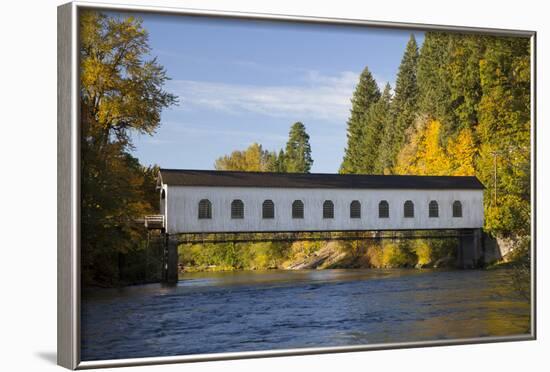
point(68, 185)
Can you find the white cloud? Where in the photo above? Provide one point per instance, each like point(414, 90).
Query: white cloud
point(316, 96)
point(208, 130)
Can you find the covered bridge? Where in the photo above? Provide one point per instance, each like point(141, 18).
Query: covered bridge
point(238, 203)
point(202, 201)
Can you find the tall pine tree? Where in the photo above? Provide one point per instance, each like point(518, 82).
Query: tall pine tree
point(376, 119)
point(433, 89)
point(281, 160)
point(449, 87)
point(463, 79)
point(297, 156)
point(365, 95)
point(404, 107)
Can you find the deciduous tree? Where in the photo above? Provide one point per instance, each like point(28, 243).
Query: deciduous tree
point(121, 92)
point(253, 159)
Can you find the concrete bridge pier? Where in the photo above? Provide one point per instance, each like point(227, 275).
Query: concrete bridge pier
point(470, 252)
point(170, 260)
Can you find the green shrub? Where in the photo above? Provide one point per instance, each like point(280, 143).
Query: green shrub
point(397, 254)
point(229, 256)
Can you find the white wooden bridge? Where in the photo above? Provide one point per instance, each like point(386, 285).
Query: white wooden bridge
point(216, 206)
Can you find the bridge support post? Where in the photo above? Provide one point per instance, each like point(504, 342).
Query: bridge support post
point(170, 261)
point(469, 249)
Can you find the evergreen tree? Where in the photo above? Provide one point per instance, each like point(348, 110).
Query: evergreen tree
point(474, 110)
point(376, 119)
point(462, 76)
point(280, 165)
point(366, 94)
point(271, 162)
point(433, 90)
point(276, 162)
point(448, 80)
point(298, 150)
point(404, 106)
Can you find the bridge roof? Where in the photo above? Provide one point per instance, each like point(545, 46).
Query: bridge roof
point(187, 177)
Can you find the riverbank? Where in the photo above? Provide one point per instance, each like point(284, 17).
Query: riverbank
point(331, 254)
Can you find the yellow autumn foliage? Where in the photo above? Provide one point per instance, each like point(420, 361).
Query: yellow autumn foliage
point(461, 152)
point(423, 153)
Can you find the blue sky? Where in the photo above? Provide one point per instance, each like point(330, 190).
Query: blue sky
point(240, 82)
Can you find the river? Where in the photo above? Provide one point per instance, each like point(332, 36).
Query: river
point(262, 310)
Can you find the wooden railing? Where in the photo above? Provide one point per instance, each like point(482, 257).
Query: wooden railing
point(154, 221)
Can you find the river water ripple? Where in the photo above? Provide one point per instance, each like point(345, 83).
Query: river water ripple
point(262, 310)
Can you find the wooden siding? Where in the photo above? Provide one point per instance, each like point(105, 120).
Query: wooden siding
point(182, 203)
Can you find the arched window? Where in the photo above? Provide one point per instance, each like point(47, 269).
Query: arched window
point(163, 194)
point(457, 209)
point(355, 209)
point(268, 209)
point(205, 209)
point(237, 209)
point(433, 209)
point(297, 209)
point(408, 209)
point(328, 209)
point(383, 209)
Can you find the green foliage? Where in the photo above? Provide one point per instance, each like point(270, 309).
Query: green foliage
point(365, 95)
point(429, 251)
point(376, 119)
point(121, 92)
point(297, 158)
point(504, 132)
point(463, 80)
point(279, 163)
point(397, 254)
point(337, 254)
point(141, 265)
point(233, 256)
point(463, 108)
point(404, 107)
point(303, 249)
point(448, 79)
point(120, 89)
point(433, 91)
